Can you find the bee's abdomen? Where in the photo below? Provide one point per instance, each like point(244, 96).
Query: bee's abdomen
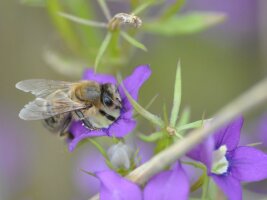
point(58, 123)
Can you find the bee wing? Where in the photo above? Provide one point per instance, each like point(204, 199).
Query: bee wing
point(42, 87)
point(51, 99)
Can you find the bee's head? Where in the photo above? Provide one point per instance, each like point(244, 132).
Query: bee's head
point(110, 97)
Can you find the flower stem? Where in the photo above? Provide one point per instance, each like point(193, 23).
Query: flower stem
point(102, 151)
point(205, 188)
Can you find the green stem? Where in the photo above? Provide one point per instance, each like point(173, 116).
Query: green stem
point(102, 151)
point(205, 188)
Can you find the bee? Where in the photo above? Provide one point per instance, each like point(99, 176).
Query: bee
point(124, 18)
point(58, 103)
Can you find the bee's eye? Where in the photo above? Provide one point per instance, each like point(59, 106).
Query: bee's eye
point(107, 100)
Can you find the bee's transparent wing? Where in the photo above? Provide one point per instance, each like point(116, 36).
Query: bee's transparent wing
point(42, 87)
point(51, 99)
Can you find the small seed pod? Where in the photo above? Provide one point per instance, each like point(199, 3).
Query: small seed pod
point(124, 19)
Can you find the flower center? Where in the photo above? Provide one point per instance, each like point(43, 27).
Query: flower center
point(219, 162)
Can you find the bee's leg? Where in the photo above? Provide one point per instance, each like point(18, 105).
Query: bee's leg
point(85, 122)
point(65, 125)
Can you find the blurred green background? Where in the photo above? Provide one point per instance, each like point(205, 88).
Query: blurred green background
point(217, 65)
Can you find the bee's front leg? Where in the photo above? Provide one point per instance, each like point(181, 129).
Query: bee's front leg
point(85, 122)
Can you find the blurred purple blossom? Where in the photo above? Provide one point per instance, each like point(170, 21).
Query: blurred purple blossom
point(125, 123)
point(91, 160)
point(172, 184)
point(229, 164)
point(242, 15)
point(16, 158)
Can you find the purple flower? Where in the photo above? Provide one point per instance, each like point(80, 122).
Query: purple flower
point(125, 123)
point(171, 185)
point(229, 164)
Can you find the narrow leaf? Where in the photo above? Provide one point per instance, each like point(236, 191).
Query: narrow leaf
point(102, 151)
point(90, 37)
point(152, 137)
point(105, 9)
point(102, 49)
point(184, 119)
point(195, 124)
point(172, 9)
point(83, 21)
point(198, 183)
point(64, 27)
point(185, 24)
point(165, 114)
point(63, 64)
point(254, 144)
point(149, 116)
point(177, 96)
point(149, 103)
point(133, 41)
point(89, 173)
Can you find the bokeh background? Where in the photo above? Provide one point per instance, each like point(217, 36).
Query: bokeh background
point(217, 65)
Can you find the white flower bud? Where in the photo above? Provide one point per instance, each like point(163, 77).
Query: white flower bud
point(120, 155)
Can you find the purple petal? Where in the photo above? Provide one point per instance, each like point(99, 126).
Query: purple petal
point(91, 160)
point(168, 185)
point(121, 127)
point(133, 83)
point(248, 164)
point(229, 135)
point(115, 187)
point(203, 152)
point(229, 185)
point(89, 74)
point(79, 133)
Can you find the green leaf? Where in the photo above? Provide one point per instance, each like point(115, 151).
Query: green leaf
point(198, 183)
point(177, 96)
point(184, 119)
point(89, 173)
point(90, 37)
point(83, 21)
point(165, 114)
point(63, 64)
point(185, 24)
point(149, 103)
point(147, 115)
point(195, 124)
point(152, 137)
point(102, 49)
point(162, 144)
point(172, 9)
point(64, 27)
point(132, 41)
